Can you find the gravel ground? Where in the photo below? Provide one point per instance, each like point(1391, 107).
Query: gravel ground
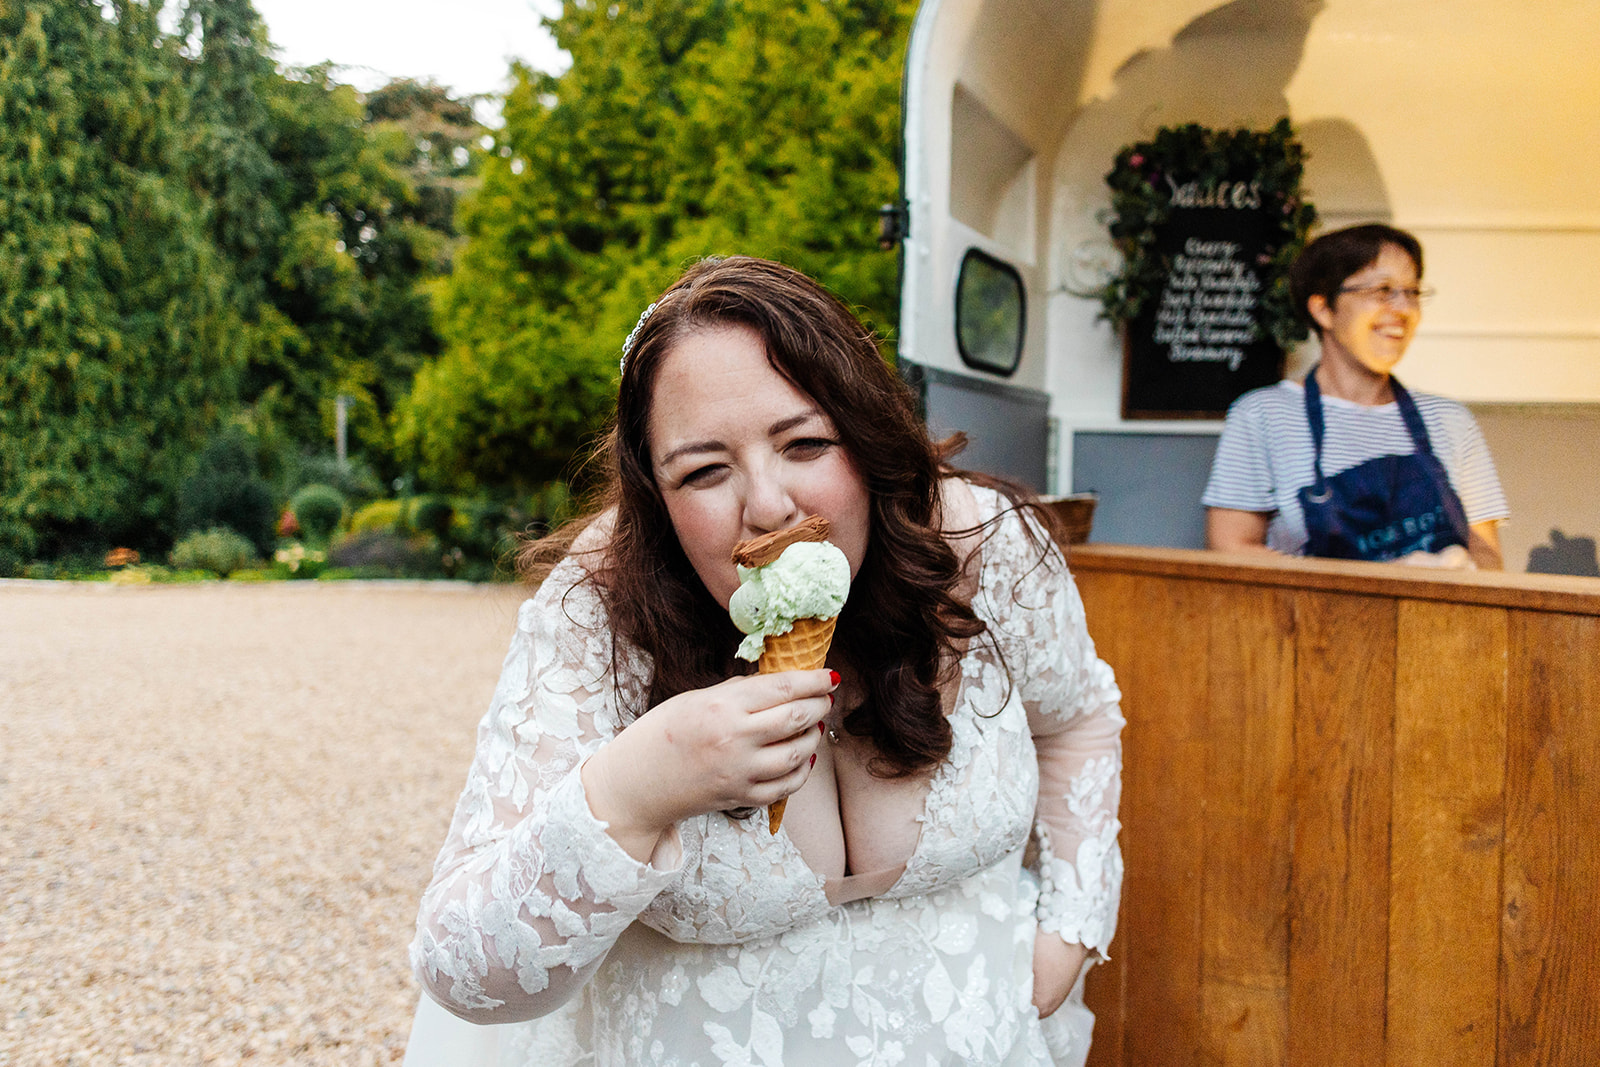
point(219, 805)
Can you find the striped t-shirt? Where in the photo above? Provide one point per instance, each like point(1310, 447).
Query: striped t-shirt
point(1265, 454)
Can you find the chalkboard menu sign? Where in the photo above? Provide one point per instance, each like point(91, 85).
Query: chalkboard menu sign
point(1201, 342)
point(1207, 222)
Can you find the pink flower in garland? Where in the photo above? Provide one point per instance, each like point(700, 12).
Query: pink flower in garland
point(1136, 160)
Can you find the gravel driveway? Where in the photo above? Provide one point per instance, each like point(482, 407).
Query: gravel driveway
point(219, 804)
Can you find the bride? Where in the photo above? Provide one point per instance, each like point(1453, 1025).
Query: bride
point(609, 892)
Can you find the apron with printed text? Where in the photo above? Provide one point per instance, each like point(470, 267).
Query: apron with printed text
point(1384, 508)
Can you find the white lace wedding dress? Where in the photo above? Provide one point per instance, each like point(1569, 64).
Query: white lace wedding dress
point(727, 948)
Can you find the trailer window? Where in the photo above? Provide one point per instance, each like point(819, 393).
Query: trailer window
point(990, 313)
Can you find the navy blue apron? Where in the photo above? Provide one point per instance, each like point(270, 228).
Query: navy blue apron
point(1384, 508)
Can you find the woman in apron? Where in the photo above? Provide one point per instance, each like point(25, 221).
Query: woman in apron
point(1350, 464)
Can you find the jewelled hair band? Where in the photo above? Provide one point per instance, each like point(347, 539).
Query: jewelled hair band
point(627, 345)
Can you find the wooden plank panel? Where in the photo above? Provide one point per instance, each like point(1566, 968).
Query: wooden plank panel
point(1103, 994)
point(1531, 592)
point(1447, 833)
point(1160, 661)
point(1550, 978)
point(1244, 978)
point(1339, 893)
point(1113, 616)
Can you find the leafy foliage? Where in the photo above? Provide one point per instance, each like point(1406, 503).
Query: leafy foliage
point(1141, 201)
point(434, 515)
point(319, 509)
point(683, 128)
point(379, 515)
point(218, 550)
point(354, 477)
point(226, 489)
point(191, 238)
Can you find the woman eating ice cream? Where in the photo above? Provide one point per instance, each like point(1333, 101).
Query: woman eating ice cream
point(1350, 464)
point(610, 883)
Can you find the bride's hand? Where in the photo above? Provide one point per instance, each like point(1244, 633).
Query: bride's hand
point(745, 742)
point(1055, 970)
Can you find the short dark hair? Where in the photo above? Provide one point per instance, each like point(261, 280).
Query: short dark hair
point(1326, 263)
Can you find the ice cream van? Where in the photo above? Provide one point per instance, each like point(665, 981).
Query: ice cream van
point(1470, 124)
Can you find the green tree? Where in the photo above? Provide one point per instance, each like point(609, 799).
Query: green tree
point(367, 188)
point(116, 344)
point(683, 128)
point(230, 81)
point(440, 152)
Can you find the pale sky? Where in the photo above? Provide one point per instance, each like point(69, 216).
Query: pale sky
point(464, 44)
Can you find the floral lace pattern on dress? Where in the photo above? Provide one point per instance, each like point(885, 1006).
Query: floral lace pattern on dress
point(737, 956)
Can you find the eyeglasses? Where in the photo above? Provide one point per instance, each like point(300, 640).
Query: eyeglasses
point(1393, 295)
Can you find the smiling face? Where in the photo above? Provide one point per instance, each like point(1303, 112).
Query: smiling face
point(738, 451)
point(1362, 330)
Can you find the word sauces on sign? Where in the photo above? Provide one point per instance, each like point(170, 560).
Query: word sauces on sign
point(1245, 196)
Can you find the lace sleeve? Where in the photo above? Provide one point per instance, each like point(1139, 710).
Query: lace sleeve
point(529, 892)
point(1073, 710)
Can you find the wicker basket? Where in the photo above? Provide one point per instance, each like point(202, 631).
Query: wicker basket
point(1074, 515)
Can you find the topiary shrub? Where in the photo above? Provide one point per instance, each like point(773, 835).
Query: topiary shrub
point(219, 550)
point(226, 489)
point(319, 509)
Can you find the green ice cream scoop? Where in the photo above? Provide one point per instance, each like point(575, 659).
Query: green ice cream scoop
point(810, 580)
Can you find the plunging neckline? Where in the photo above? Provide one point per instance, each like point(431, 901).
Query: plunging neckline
point(838, 891)
point(883, 881)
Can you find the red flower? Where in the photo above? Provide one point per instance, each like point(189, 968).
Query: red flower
point(288, 525)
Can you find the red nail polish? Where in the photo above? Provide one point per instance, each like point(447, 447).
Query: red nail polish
point(822, 727)
point(834, 676)
point(813, 759)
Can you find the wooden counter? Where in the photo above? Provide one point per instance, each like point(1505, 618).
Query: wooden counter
point(1361, 812)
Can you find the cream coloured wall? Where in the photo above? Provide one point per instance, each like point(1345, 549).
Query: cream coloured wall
point(1482, 125)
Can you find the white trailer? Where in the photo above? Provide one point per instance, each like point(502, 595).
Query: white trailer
point(1473, 123)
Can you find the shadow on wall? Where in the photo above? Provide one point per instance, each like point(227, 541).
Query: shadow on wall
point(1227, 68)
point(1548, 458)
point(1565, 555)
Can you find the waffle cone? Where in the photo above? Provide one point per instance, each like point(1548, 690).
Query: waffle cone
point(804, 648)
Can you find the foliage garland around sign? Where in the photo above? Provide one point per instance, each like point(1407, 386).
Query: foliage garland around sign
point(1141, 202)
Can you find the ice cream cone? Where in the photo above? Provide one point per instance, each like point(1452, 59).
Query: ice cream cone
point(804, 648)
point(787, 578)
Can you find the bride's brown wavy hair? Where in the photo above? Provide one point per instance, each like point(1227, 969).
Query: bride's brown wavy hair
point(904, 620)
